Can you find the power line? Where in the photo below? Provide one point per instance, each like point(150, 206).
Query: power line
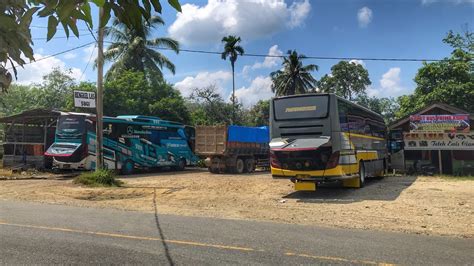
point(53, 55)
point(309, 57)
point(44, 27)
point(316, 57)
point(88, 62)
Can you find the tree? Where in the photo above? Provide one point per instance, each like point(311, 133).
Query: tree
point(132, 49)
point(131, 93)
point(294, 78)
point(232, 50)
point(16, 16)
point(54, 92)
point(209, 108)
point(449, 81)
point(260, 113)
point(345, 80)
point(387, 107)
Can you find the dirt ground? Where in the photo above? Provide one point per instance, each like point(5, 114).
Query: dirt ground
point(422, 205)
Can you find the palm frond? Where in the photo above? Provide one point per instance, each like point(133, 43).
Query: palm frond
point(164, 43)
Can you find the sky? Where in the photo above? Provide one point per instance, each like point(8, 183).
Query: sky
point(328, 28)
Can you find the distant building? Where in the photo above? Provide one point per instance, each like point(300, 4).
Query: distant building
point(438, 139)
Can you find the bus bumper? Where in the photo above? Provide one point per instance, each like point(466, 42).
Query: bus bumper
point(337, 173)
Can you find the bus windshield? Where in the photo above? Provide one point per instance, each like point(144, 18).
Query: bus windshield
point(307, 107)
point(71, 124)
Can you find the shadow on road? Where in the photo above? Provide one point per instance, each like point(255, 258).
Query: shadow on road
point(387, 189)
point(160, 231)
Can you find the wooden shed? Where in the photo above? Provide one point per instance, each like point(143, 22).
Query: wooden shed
point(26, 136)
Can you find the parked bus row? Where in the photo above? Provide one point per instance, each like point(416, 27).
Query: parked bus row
point(130, 143)
point(312, 139)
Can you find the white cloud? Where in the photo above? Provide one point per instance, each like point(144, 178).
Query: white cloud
point(390, 85)
point(34, 72)
point(203, 79)
point(250, 19)
point(259, 89)
point(268, 62)
point(364, 16)
point(70, 55)
point(457, 2)
point(358, 62)
point(298, 13)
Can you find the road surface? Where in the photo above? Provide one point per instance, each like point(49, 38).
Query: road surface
point(34, 233)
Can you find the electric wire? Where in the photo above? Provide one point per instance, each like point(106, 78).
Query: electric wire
point(88, 62)
point(308, 57)
point(55, 54)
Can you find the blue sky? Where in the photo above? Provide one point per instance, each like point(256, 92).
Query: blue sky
point(380, 28)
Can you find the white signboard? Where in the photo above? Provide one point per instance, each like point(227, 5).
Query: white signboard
point(439, 141)
point(84, 99)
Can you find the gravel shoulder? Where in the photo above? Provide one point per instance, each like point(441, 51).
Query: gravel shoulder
point(421, 205)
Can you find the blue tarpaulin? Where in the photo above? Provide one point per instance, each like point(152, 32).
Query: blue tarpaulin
point(248, 134)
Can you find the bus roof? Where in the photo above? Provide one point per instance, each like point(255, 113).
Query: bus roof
point(333, 95)
point(141, 119)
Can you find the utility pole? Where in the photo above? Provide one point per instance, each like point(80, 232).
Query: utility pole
point(100, 92)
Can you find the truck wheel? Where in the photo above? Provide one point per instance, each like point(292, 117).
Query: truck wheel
point(239, 166)
point(249, 165)
point(213, 170)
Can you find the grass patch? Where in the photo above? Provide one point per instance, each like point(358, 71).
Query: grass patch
point(101, 178)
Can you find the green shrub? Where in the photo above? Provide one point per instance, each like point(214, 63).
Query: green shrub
point(101, 178)
point(201, 164)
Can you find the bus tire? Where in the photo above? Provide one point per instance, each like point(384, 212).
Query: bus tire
point(381, 174)
point(181, 165)
point(239, 166)
point(127, 168)
point(362, 174)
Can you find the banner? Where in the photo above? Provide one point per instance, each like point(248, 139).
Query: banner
point(440, 123)
point(439, 141)
point(85, 99)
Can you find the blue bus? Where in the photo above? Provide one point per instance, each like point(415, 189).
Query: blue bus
point(130, 143)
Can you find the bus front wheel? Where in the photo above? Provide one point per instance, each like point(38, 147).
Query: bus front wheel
point(128, 168)
point(362, 174)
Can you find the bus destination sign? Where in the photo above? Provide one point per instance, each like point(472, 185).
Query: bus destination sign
point(84, 99)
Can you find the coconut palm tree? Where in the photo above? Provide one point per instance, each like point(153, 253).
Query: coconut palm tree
point(232, 50)
point(293, 78)
point(133, 49)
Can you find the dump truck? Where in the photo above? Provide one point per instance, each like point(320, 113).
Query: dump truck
point(233, 149)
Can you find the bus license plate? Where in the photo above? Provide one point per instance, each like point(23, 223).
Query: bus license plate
point(305, 186)
point(302, 177)
point(66, 166)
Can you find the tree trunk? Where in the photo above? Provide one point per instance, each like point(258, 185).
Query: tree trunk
point(233, 94)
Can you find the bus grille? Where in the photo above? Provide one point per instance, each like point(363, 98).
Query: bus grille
point(304, 159)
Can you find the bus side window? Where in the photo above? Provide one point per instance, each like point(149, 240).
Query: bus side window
point(343, 110)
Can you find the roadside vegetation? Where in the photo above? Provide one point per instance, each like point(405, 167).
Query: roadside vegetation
point(100, 178)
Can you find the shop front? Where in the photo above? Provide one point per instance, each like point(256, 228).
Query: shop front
point(436, 140)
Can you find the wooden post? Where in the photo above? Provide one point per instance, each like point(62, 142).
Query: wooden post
point(100, 88)
point(440, 162)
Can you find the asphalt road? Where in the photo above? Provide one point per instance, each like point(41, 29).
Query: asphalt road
point(33, 233)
